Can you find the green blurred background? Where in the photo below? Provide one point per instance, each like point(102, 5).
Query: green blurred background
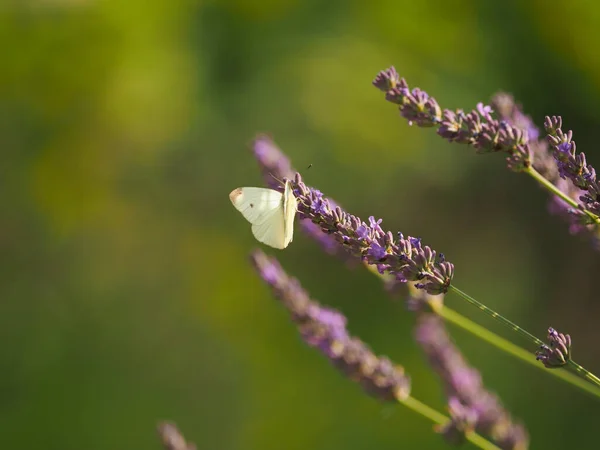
point(125, 292)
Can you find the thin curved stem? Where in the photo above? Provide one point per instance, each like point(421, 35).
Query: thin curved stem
point(553, 189)
point(578, 369)
point(500, 318)
point(505, 345)
point(440, 419)
point(583, 372)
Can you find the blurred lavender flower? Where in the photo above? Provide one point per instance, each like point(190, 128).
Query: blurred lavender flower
point(558, 352)
point(544, 162)
point(325, 329)
point(507, 110)
point(573, 165)
point(463, 420)
point(171, 437)
point(407, 259)
point(275, 164)
point(477, 128)
point(471, 406)
point(578, 221)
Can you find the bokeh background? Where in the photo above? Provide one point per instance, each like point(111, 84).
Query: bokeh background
point(125, 290)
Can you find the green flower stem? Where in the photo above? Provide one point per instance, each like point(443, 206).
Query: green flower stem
point(552, 188)
point(506, 346)
point(500, 318)
point(440, 419)
point(579, 370)
point(582, 372)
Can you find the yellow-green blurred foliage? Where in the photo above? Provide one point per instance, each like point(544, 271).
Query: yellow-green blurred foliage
point(125, 290)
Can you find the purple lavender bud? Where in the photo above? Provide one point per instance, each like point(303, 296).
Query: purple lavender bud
point(171, 437)
point(386, 79)
point(471, 405)
point(399, 93)
point(419, 108)
point(558, 352)
point(552, 124)
point(377, 252)
point(520, 159)
point(325, 329)
point(573, 165)
point(395, 95)
point(440, 280)
point(406, 259)
point(484, 110)
point(451, 126)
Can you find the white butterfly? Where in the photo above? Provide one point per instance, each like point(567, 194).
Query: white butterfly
point(270, 212)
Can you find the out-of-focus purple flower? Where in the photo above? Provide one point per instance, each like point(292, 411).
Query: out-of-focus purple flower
point(405, 258)
point(171, 437)
point(573, 165)
point(578, 221)
point(275, 165)
point(471, 406)
point(507, 110)
point(325, 329)
point(544, 162)
point(463, 420)
point(558, 352)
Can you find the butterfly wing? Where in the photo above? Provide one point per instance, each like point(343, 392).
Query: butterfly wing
point(254, 202)
point(270, 231)
point(263, 208)
point(290, 206)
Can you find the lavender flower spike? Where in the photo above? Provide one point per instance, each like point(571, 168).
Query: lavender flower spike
point(573, 165)
point(325, 329)
point(471, 406)
point(558, 352)
point(477, 128)
point(415, 106)
point(407, 259)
